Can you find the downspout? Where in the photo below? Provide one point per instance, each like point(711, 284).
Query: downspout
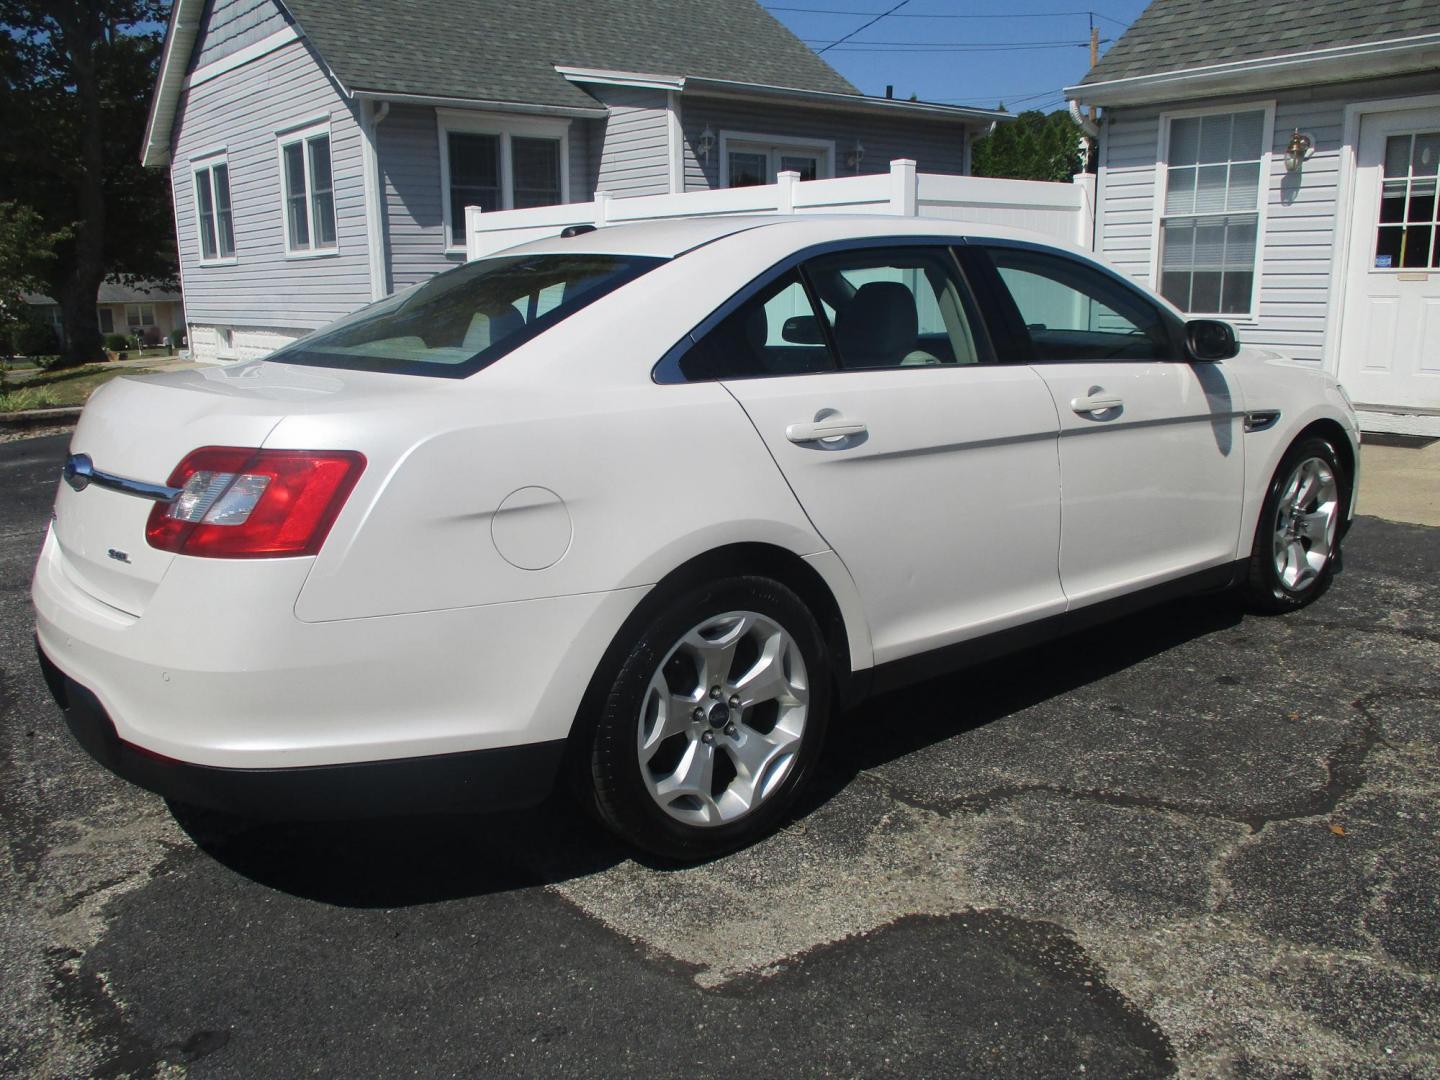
point(371, 115)
point(1088, 129)
point(1091, 131)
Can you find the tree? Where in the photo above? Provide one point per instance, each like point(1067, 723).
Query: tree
point(1031, 147)
point(75, 81)
point(27, 252)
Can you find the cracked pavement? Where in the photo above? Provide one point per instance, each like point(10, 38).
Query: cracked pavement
point(1185, 843)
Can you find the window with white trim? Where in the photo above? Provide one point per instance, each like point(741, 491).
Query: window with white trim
point(308, 191)
point(139, 316)
point(215, 223)
point(1210, 226)
point(751, 160)
point(107, 320)
point(499, 164)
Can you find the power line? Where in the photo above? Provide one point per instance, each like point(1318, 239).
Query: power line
point(867, 26)
point(965, 44)
point(863, 47)
point(966, 15)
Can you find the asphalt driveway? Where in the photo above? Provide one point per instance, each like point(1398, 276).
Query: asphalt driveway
point(1187, 842)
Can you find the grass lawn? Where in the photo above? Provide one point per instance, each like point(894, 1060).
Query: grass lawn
point(56, 389)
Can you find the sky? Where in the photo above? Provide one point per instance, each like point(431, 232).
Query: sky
point(963, 52)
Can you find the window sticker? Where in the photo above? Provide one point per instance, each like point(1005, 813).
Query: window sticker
point(1384, 262)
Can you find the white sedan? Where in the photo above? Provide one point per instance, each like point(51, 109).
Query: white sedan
point(641, 506)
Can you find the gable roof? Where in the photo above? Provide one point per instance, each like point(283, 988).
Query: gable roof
point(488, 50)
point(1173, 35)
point(114, 291)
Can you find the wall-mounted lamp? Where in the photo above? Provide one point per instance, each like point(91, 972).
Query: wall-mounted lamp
point(1298, 151)
point(706, 143)
point(856, 156)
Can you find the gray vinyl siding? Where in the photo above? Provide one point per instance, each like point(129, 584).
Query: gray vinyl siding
point(408, 151)
point(1299, 240)
point(937, 147)
point(229, 25)
point(635, 154)
point(241, 111)
point(408, 147)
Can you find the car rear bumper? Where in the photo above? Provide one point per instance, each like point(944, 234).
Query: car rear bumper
point(218, 672)
point(498, 779)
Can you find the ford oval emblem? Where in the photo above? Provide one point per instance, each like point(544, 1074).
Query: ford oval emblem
point(78, 471)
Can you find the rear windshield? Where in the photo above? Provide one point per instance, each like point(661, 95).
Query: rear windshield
point(467, 318)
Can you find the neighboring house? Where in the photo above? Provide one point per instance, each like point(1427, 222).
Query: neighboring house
point(1275, 164)
point(322, 151)
point(144, 310)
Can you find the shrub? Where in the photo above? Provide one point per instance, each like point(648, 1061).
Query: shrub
point(117, 342)
point(177, 338)
point(35, 338)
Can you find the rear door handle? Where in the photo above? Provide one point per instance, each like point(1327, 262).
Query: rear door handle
point(831, 427)
point(1096, 401)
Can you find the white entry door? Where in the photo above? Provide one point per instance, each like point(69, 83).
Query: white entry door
point(1390, 340)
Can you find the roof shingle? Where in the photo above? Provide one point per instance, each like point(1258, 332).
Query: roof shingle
point(484, 50)
point(1173, 35)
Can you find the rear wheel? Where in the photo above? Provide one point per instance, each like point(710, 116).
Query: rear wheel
point(714, 721)
point(1297, 540)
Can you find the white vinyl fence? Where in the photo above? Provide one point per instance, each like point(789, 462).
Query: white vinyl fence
point(1062, 211)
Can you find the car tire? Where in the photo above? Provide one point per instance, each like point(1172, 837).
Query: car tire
point(1297, 539)
point(687, 773)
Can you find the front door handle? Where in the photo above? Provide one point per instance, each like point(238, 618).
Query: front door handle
point(831, 427)
point(1096, 401)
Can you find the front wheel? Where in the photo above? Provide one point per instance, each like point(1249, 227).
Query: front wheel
point(1297, 541)
point(714, 721)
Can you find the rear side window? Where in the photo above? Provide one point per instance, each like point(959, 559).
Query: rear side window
point(1073, 312)
point(467, 318)
point(774, 332)
point(897, 308)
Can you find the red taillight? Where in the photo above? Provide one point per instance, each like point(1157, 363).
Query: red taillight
point(242, 503)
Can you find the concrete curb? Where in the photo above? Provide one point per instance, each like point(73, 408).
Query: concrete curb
point(26, 418)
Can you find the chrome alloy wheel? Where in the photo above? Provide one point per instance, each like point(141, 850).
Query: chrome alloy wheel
point(1305, 524)
point(723, 718)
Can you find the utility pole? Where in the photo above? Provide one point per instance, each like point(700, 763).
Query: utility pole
point(1094, 54)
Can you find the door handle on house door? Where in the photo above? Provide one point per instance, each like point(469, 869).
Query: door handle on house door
point(829, 427)
point(1096, 401)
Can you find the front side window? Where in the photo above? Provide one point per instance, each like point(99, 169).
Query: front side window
point(139, 316)
point(107, 320)
point(212, 210)
point(467, 318)
point(1210, 223)
point(309, 192)
point(497, 169)
point(1074, 313)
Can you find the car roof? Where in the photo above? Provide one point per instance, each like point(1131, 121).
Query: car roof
point(670, 237)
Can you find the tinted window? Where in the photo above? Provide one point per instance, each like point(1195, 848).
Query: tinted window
point(896, 308)
point(775, 332)
point(1075, 312)
point(467, 318)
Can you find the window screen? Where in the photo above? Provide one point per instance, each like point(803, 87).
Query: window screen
point(1211, 213)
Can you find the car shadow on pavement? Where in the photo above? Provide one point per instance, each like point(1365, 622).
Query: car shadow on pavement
point(400, 862)
point(873, 734)
point(403, 861)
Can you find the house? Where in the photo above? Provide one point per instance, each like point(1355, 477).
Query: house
point(322, 152)
point(144, 310)
point(1274, 164)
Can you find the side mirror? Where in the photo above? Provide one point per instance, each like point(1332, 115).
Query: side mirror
point(1209, 340)
point(802, 330)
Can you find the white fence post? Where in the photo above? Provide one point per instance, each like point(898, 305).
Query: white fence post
point(1085, 220)
point(472, 233)
point(904, 196)
point(785, 192)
